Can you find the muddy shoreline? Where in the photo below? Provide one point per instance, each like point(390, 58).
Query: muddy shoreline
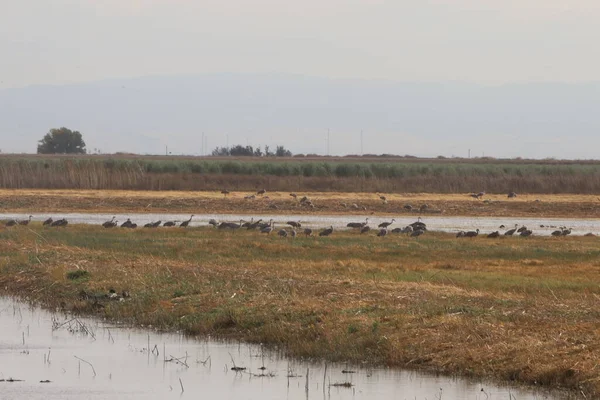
point(409, 205)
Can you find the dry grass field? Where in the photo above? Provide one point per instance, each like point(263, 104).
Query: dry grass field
point(108, 201)
point(524, 310)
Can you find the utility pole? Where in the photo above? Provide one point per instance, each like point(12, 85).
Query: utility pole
point(361, 142)
point(202, 149)
point(166, 150)
point(327, 141)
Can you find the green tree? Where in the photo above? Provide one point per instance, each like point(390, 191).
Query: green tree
point(61, 141)
point(282, 152)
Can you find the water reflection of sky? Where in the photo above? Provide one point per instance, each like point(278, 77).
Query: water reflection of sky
point(126, 370)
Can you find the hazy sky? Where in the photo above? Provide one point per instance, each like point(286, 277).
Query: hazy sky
point(484, 41)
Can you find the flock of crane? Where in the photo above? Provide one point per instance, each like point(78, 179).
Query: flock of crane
point(415, 229)
point(521, 231)
point(294, 228)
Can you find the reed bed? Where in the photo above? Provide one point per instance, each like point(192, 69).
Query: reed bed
point(427, 176)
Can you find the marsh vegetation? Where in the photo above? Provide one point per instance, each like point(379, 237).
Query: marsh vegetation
point(512, 309)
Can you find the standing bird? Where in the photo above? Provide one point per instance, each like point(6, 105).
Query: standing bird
point(225, 192)
point(493, 235)
point(294, 195)
point(522, 229)
point(294, 224)
point(357, 224)
point(268, 229)
point(261, 192)
point(48, 221)
point(418, 224)
point(566, 232)
point(526, 232)
point(327, 231)
point(460, 234)
point(254, 225)
point(512, 195)
point(382, 198)
point(308, 232)
point(11, 222)
point(213, 222)
point(282, 233)
point(512, 231)
point(262, 225)
point(293, 233)
point(386, 224)
point(169, 223)
point(110, 224)
point(26, 221)
point(382, 232)
point(365, 229)
point(126, 224)
point(557, 233)
point(472, 234)
point(61, 222)
point(184, 224)
point(233, 226)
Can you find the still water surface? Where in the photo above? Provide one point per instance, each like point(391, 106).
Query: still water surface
point(36, 345)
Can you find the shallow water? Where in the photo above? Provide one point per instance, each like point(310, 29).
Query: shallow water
point(35, 347)
point(436, 223)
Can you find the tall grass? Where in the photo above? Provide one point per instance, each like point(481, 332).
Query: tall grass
point(144, 173)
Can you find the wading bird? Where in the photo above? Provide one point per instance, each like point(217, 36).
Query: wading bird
point(386, 224)
point(184, 224)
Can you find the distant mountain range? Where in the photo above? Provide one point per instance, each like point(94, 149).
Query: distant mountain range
point(143, 115)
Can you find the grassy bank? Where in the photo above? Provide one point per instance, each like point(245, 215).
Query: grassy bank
point(513, 309)
point(350, 175)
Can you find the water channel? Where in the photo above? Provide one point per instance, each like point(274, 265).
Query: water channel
point(47, 355)
point(539, 226)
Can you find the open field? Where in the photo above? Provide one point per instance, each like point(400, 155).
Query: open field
point(28, 201)
point(512, 309)
point(341, 174)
